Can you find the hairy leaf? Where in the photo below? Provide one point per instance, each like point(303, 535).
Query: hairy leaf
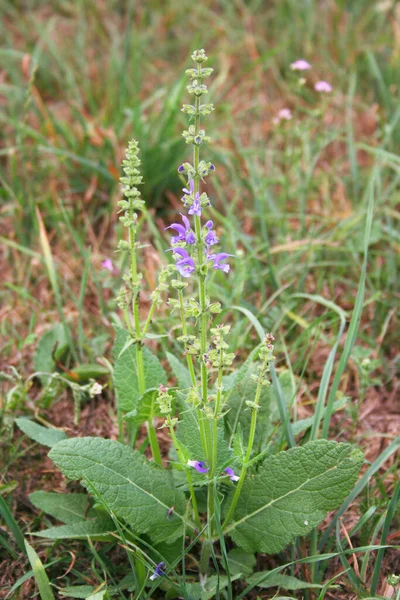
point(188, 434)
point(134, 489)
point(43, 435)
point(292, 493)
point(180, 371)
point(97, 529)
point(264, 579)
point(68, 508)
point(125, 372)
point(238, 412)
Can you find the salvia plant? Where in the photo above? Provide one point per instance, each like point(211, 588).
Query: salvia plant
point(228, 487)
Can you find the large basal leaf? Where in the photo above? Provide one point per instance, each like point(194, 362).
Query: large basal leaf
point(98, 528)
point(136, 490)
point(125, 372)
point(43, 435)
point(68, 508)
point(292, 493)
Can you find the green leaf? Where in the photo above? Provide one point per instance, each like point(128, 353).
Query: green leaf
point(126, 483)
point(68, 508)
point(53, 339)
point(264, 579)
point(188, 434)
point(147, 408)
point(241, 562)
point(244, 390)
point(77, 591)
point(43, 435)
point(180, 371)
point(125, 372)
point(40, 574)
point(97, 529)
point(291, 494)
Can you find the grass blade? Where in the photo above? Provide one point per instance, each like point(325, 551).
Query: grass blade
point(355, 319)
point(40, 574)
point(52, 273)
point(11, 523)
point(389, 517)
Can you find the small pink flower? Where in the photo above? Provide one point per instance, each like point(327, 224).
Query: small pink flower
point(323, 86)
point(284, 114)
point(108, 265)
point(300, 65)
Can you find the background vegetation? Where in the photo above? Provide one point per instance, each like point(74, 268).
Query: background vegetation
point(78, 79)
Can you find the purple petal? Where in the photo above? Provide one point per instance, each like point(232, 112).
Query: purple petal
point(200, 466)
point(181, 252)
point(186, 221)
point(209, 225)
point(179, 228)
point(231, 473)
point(190, 237)
point(160, 570)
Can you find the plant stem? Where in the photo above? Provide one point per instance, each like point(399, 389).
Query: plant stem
point(249, 445)
point(151, 432)
point(188, 474)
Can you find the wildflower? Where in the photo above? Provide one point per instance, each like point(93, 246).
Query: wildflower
point(284, 114)
point(195, 209)
point(160, 570)
point(95, 389)
point(323, 86)
point(185, 264)
point(231, 473)
point(300, 65)
point(200, 466)
point(217, 258)
point(212, 167)
point(181, 169)
point(185, 233)
point(190, 191)
point(210, 238)
point(108, 265)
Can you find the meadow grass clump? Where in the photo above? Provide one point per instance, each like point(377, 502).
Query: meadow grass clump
point(294, 234)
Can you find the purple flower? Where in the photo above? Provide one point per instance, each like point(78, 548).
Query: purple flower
point(195, 209)
point(212, 167)
point(323, 86)
point(186, 264)
point(300, 65)
point(200, 466)
point(160, 570)
point(185, 234)
point(181, 169)
point(108, 265)
point(190, 191)
point(231, 473)
point(210, 238)
point(217, 258)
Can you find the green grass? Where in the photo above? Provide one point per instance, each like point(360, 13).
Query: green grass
point(297, 204)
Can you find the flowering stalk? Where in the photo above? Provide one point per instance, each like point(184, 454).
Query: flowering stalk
point(130, 205)
point(164, 402)
point(266, 358)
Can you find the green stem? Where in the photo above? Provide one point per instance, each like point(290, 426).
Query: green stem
point(249, 447)
point(151, 432)
point(188, 474)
